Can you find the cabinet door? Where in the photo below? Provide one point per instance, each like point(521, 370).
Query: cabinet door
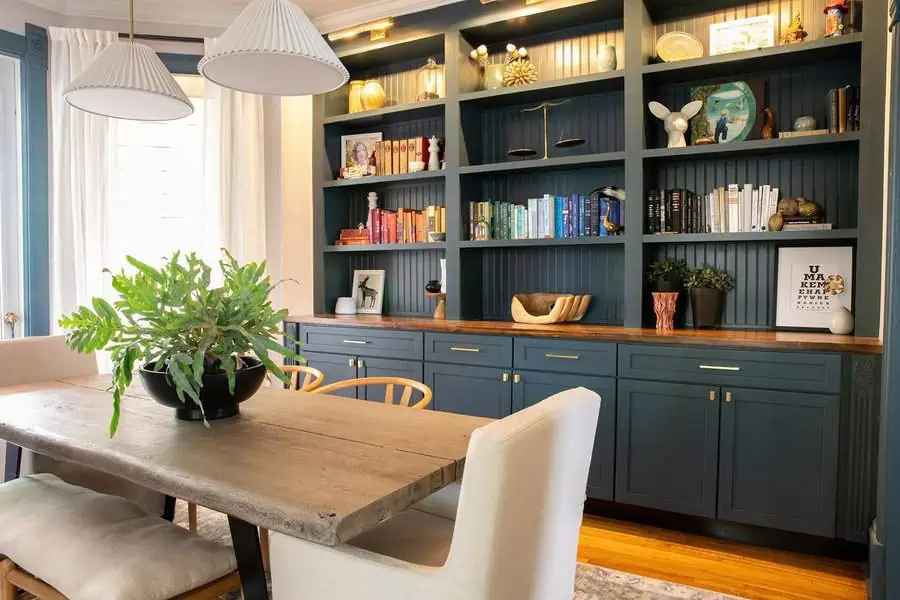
point(667, 446)
point(383, 367)
point(476, 391)
point(530, 387)
point(335, 367)
point(779, 460)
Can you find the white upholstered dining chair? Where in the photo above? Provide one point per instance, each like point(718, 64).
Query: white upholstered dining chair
point(515, 536)
point(30, 360)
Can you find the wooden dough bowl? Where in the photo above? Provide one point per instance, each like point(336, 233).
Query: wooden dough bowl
point(542, 308)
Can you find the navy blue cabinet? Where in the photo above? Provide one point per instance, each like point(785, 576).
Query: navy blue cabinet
point(384, 367)
point(530, 387)
point(667, 446)
point(476, 391)
point(335, 367)
point(779, 459)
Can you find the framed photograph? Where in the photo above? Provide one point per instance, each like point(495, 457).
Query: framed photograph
point(357, 152)
point(751, 33)
point(813, 283)
point(368, 292)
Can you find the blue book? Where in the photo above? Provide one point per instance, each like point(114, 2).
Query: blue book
point(558, 207)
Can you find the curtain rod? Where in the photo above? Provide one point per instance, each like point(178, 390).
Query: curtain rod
point(163, 38)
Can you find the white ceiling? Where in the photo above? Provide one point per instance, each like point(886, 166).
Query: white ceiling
point(327, 14)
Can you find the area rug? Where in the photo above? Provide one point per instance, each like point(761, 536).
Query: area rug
point(591, 582)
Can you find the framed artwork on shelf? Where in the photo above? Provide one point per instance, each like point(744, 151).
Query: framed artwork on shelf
point(729, 113)
point(358, 154)
point(812, 284)
point(368, 291)
point(751, 33)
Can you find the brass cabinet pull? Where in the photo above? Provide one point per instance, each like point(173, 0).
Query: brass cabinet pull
point(505, 378)
point(719, 368)
point(359, 342)
point(517, 378)
point(352, 362)
point(459, 349)
point(727, 396)
point(563, 356)
point(360, 363)
point(712, 395)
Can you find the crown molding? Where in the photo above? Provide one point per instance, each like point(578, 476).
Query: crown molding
point(375, 10)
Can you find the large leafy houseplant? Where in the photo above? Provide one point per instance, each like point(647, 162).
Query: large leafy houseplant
point(171, 320)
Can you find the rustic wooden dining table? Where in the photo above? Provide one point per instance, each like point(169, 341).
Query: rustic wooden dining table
point(320, 468)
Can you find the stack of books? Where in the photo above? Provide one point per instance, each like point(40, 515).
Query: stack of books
point(731, 209)
point(842, 109)
point(392, 157)
point(405, 225)
point(547, 217)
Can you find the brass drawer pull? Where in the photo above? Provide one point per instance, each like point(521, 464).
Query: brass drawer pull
point(504, 377)
point(360, 342)
point(517, 378)
point(563, 356)
point(458, 349)
point(727, 396)
point(719, 368)
point(712, 395)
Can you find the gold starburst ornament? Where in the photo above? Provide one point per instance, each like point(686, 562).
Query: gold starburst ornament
point(519, 69)
point(834, 285)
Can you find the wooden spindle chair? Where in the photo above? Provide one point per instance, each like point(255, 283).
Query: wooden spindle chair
point(389, 383)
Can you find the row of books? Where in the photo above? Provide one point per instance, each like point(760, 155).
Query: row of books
point(842, 109)
point(404, 225)
point(731, 209)
point(547, 217)
point(392, 157)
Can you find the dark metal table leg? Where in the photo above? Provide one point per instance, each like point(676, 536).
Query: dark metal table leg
point(13, 462)
point(169, 509)
point(245, 538)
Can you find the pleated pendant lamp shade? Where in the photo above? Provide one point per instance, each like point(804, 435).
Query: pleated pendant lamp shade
point(129, 81)
point(273, 48)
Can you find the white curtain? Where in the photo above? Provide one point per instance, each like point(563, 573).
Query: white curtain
point(79, 164)
point(236, 168)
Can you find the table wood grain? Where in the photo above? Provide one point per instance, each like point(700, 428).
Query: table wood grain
point(320, 468)
point(725, 338)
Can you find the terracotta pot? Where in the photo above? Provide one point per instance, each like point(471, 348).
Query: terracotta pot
point(706, 307)
point(372, 95)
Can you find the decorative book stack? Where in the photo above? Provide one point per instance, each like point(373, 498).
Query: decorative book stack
point(405, 225)
point(392, 157)
point(547, 217)
point(731, 209)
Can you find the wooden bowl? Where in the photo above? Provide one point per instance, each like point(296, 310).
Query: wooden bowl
point(545, 308)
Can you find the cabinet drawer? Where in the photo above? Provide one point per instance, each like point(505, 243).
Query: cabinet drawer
point(565, 356)
point(790, 371)
point(462, 349)
point(363, 342)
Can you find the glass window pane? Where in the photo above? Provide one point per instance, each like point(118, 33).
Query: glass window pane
point(11, 288)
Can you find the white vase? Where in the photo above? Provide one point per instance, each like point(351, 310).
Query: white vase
point(443, 275)
point(841, 321)
point(606, 58)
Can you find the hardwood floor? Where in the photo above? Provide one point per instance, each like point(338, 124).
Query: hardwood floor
point(728, 567)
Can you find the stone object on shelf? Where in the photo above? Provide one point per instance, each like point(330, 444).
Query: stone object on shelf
point(805, 123)
point(345, 306)
point(545, 308)
point(676, 123)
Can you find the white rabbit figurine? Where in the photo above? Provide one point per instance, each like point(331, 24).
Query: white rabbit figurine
point(676, 123)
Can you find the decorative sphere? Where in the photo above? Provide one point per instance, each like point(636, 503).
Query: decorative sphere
point(789, 207)
point(776, 222)
point(808, 208)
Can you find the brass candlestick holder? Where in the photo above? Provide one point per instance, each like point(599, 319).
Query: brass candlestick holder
point(561, 143)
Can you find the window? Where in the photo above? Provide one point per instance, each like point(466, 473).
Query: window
point(11, 285)
point(160, 199)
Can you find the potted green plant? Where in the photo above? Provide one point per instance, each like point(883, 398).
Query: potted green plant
point(667, 275)
point(202, 350)
point(708, 287)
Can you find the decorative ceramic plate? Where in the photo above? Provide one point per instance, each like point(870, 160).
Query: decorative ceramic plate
point(678, 45)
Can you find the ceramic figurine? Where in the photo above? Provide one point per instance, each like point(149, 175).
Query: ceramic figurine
point(676, 123)
point(834, 17)
point(768, 129)
point(606, 56)
point(434, 152)
point(795, 32)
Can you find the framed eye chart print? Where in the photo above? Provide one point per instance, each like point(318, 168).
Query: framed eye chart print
point(812, 284)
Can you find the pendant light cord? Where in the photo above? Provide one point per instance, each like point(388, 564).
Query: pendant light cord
point(131, 21)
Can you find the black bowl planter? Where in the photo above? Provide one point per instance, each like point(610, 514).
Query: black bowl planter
point(706, 307)
point(218, 403)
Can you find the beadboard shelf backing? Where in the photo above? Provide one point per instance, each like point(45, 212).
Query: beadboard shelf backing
point(399, 130)
point(829, 176)
point(491, 276)
point(489, 133)
point(793, 92)
point(406, 274)
point(751, 304)
point(348, 208)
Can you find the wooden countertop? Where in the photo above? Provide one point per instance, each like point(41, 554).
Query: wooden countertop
point(731, 338)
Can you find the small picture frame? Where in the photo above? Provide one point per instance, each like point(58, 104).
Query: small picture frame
point(368, 291)
point(357, 153)
point(739, 35)
point(812, 283)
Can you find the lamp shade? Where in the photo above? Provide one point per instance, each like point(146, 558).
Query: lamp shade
point(273, 48)
point(129, 81)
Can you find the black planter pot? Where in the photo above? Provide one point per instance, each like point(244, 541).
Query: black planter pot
point(706, 307)
point(218, 403)
point(662, 285)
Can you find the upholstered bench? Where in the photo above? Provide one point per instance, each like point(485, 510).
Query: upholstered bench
point(64, 542)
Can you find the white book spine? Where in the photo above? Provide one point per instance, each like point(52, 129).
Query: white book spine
point(734, 208)
point(754, 211)
point(764, 213)
point(713, 212)
point(747, 210)
point(773, 205)
point(532, 218)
